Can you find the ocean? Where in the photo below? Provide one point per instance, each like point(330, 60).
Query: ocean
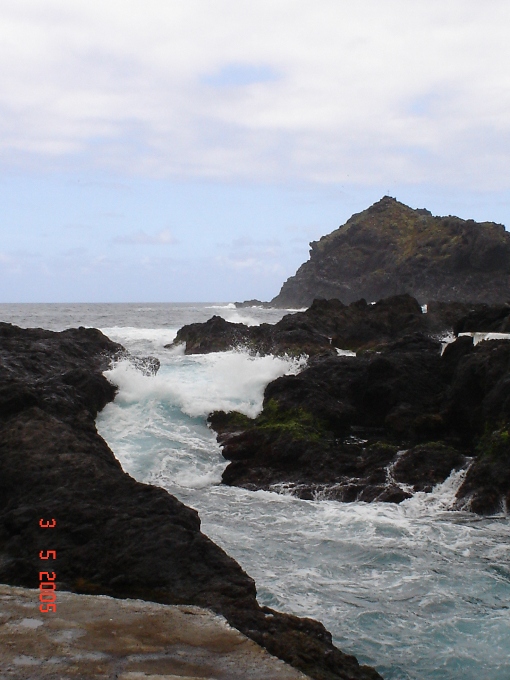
point(416, 590)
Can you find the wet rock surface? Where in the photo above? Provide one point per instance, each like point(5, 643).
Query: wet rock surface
point(393, 420)
point(326, 326)
point(115, 536)
point(485, 319)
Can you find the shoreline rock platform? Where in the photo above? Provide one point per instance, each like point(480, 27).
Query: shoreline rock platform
point(113, 535)
point(97, 637)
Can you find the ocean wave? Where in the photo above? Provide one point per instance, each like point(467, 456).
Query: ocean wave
point(233, 380)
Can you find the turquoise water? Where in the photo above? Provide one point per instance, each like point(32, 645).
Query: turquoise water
point(416, 590)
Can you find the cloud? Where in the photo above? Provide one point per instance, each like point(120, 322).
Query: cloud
point(163, 237)
point(262, 256)
point(324, 92)
point(239, 75)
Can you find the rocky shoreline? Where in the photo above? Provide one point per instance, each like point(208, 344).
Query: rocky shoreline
point(115, 536)
point(397, 416)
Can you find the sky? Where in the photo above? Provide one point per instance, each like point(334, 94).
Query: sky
point(189, 150)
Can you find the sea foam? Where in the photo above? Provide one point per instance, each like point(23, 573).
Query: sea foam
point(199, 384)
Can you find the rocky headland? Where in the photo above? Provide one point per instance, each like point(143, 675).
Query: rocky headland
point(397, 416)
point(391, 249)
point(113, 535)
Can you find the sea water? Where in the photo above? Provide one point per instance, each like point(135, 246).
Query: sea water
point(415, 589)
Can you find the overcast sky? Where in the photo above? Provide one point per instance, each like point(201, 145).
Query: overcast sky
point(188, 150)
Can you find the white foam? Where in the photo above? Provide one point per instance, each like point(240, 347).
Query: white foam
point(126, 335)
point(233, 380)
point(480, 337)
point(235, 317)
point(442, 497)
point(345, 352)
point(228, 305)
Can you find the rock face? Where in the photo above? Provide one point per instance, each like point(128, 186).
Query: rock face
point(391, 249)
point(381, 425)
point(115, 536)
point(329, 325)
point(326, 326)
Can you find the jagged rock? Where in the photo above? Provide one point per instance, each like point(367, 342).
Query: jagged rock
point(251, 303)
point(114, 535)
point(486, 488)
point(381, 425)
point(391, 249)
point(485, 319)
point(325, 326)
point(214, 335)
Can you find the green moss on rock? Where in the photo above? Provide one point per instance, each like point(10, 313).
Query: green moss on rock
point(495, 445)
point(297, 422)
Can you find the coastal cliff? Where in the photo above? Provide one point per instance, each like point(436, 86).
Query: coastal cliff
point(391, 249)
point(115, 536)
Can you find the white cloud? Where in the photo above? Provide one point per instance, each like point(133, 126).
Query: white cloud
point(330, 91)
point(163, 237)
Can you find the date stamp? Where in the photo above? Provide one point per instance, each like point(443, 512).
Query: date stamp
point(47, 585)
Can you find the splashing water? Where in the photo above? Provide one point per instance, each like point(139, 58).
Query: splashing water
point(417, 591)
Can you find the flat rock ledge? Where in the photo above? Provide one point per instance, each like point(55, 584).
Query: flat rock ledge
point(102, 637)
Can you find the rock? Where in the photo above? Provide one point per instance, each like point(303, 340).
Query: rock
point(251, 303)
point(426, 465)
point(391, 249)
point(365, 325)
point(215, 335)
point(486, 488)
point(442, 317)
point(115, 536)
point(321, 329)
point(101, 637)
point(485, 319)
point(381, 425)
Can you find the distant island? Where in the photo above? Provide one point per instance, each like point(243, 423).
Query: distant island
point(391, 249)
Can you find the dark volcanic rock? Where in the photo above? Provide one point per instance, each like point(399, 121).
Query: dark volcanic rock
point(214, 335)
point(426, 465)
point(325, 326)
point(381, 425)
point(485, 319)
point(486, 488)
point(391, 249)
point(251, 303)
point(399, 384)
point(114, 536)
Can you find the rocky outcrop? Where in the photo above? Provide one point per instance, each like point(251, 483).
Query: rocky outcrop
point(113, 535)
point(329, 325)
point(391, 249)
point(340, 428)
point(484, 319)
point(252, 303)
point(381, 425)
